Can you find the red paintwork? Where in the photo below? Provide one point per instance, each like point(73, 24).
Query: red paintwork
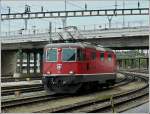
point(80, 67)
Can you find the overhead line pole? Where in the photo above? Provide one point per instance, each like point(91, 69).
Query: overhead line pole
point(65, 20)
point(110, 17)
point(27, 10)
point(123, 15)
point(50, 32)
point(9, 21)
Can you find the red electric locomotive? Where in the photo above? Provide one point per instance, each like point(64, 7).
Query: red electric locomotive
point(69, 66)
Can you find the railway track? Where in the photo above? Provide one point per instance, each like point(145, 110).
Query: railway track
point(10, 78)
point(18, 102)
point(74, 106)
point(10, 90)
point(104, 105)
point(145, 71)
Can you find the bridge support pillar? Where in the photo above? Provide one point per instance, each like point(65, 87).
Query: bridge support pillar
point(125, 63)
point(41, 62)
point(35, 62)
point(8, 62)
point(20, 61)
point(132, 63)
point(139, 63)
point(147, 63)
point(122, 63)
point(28, 62)
point(119, 64)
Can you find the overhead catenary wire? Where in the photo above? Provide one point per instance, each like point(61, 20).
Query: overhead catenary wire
point(75, 5)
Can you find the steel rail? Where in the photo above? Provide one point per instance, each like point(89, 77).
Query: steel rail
point(22, 90)
point(120, 100)
point(13, 79)
point(18, 102)
point(124, 101)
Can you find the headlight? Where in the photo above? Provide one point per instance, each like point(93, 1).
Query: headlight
point(71, 72)
point(48, 72)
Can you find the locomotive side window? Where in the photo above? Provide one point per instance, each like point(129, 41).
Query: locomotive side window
point(93, 54)
point(102, 56)
point(109, 57)
point(68, 54)
point(80, 55)
point(52, 55)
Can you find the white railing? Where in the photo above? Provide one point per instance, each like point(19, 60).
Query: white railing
point(103, 26)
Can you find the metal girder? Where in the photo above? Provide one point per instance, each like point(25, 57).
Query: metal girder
point(77, 13)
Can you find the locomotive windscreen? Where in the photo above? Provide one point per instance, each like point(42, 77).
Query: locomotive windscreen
point(52, 55)
point(69, 54)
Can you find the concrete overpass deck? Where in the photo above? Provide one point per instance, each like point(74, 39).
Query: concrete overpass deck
point(134, 37)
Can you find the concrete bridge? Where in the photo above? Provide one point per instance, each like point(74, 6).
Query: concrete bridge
point(115, 38)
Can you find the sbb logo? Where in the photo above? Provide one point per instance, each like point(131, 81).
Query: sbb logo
point(59, 66)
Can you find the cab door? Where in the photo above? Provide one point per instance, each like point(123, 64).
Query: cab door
point(81, 60)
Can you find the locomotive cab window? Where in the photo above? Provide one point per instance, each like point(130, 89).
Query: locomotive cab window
point(52, 55)
point(102, 56)
point(69, 54)
point(109, 57)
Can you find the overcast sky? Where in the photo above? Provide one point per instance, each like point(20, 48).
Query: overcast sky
point(49, 5)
